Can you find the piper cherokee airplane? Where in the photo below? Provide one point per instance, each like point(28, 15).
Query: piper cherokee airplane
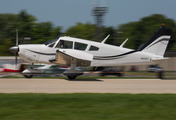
point(73, 52)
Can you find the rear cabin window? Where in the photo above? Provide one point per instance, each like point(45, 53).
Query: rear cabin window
point(93, 48)
point(80, 46)
point(65, 44)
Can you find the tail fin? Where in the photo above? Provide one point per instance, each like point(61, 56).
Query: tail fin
point(157, 44)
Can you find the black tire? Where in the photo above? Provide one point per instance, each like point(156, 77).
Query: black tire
point(71, 77)
point(28, 76)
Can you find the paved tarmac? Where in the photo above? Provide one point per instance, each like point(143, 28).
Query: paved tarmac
point(87, 86)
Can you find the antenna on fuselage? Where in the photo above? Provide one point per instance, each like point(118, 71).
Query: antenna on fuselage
point(105, 39)
point(123, 43)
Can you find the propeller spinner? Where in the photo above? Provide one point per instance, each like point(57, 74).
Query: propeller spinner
point(14, 49)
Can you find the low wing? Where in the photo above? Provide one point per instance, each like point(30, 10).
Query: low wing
point(70, 56)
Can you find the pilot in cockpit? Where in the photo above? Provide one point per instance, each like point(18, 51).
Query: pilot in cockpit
point(61, 44)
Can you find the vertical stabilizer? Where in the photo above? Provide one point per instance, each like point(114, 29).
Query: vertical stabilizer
point(157, 44)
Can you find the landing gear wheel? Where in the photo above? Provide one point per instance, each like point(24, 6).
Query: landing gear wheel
point(28, 76)
point(71, 77)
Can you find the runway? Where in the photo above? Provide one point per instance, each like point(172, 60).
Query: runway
point(133, 86)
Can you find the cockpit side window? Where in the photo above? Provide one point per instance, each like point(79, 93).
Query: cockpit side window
point(93, 48)
point(80, 46)
point(51, 45)
point(65, 44)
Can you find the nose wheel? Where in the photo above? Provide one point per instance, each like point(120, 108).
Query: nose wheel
point(28, 76)
point(27, 72)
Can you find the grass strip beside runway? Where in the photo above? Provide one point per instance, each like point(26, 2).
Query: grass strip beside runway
point(87, 106)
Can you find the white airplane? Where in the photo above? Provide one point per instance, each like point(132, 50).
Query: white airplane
point(74, 52)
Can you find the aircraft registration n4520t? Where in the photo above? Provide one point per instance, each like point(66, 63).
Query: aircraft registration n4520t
point(74, 52)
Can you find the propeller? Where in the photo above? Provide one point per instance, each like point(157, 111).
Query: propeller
point(15, 49)
point(16, 54)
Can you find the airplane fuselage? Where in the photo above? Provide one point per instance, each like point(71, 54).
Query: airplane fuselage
point(103, 54)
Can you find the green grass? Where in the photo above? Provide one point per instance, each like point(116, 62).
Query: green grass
point(87, 106)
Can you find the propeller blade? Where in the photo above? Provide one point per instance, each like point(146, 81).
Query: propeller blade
point(16, 37)
point(16, 54)
point(16, 61)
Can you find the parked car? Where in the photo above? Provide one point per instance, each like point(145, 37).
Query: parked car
point(154, 68)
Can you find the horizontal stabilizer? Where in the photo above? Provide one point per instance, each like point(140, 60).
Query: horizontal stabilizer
point(155, 59)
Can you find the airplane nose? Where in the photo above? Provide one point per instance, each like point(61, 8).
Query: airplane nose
point(14, 49)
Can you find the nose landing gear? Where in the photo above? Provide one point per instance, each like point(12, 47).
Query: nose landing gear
point(28, 76)
point(29, 73)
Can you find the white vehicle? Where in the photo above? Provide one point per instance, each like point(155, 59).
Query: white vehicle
point(74, 52)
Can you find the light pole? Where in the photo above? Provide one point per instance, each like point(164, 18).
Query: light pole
point(99, 12)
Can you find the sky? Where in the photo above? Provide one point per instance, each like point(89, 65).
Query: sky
point(67, 13)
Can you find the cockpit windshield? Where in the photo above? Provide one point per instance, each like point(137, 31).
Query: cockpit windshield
point(52, 42)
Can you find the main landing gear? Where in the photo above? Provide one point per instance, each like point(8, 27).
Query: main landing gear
point(72, 73)
point(71, 77)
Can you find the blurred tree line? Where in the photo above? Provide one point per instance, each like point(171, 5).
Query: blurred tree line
point(28, 27)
